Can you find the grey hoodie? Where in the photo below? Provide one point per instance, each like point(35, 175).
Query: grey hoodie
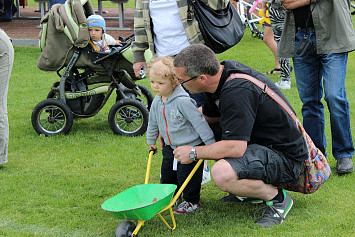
point(178, 121)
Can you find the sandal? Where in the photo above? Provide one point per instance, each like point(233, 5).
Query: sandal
point(273, 71)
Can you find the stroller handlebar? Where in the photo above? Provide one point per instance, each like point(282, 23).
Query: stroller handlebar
point(126, 42)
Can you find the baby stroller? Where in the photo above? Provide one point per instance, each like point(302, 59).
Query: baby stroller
point(88, 77)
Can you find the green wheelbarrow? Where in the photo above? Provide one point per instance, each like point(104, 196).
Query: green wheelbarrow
point(142, 202)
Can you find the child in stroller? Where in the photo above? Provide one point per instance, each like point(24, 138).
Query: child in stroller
point(87, 78)
point(99, 39)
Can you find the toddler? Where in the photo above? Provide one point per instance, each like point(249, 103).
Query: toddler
point(99, 40)
point(174, 115)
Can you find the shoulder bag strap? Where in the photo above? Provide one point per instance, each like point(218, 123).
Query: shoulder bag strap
point(268, 91)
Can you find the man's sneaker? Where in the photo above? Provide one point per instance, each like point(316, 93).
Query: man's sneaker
point(345, 166)
point(206, 176)
point(274, 212)
point(284, 85)
point(234, 198)
point(186, 207)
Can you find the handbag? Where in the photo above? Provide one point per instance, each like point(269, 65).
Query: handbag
point(316, 170)
point(305, 45)
point(220, 29)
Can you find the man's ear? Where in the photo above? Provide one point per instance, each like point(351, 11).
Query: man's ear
point(203, 79)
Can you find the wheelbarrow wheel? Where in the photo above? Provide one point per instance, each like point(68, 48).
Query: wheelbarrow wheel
point(128, 117)
point(125, 229)
point(52, 117)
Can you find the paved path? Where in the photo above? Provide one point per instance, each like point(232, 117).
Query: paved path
point(25, 32)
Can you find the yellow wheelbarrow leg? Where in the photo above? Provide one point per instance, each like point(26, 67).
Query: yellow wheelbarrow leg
point(172, 218)
point(140, 224)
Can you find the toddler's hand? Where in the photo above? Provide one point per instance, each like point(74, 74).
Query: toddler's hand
point(118, 42)
point(153, 148)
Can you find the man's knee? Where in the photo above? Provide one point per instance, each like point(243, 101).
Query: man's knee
point(223, 173)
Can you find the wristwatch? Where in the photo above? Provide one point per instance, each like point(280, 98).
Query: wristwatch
point(193, 154)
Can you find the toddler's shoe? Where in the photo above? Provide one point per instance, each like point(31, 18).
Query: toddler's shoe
point(178, 202)
point(186, 207)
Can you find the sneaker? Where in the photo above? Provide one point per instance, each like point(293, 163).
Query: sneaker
point(283, 85)
point(274, 212)
point(345, 166)
point(206, 176)
point(234, 198)
point(186, 207)
point(178, 202)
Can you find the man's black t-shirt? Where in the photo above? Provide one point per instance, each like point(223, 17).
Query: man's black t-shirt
point(249, 114)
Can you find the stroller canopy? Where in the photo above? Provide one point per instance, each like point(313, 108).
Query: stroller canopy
point(63, 27)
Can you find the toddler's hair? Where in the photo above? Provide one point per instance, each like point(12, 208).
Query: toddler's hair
point(166, 73)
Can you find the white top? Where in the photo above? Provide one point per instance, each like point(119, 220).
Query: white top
point(169, 33)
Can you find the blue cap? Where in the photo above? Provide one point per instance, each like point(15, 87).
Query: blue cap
point(96, 20)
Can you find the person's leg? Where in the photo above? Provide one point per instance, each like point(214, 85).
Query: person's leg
point(334, 73)
point(6, 62)
point(226, 179)
point(271, 43)
point(277, 18)
point(168, 175)
point(250, 176)
point(192, 190)
point(310, 89)
point(7, 15)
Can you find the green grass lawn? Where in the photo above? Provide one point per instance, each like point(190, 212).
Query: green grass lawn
point(54, 186)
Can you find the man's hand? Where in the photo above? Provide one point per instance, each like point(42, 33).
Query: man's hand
point(293, 4)
point(137, 67)
point(182, 153)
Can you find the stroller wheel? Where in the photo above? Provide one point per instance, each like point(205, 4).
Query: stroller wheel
point(51, 94)
point(128, 117)
point(52, 117)
point(146, 96)
point(125, 229)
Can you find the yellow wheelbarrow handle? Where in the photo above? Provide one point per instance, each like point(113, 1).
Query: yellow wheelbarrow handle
point(140, 223)
point(187, 180)
point(151, 153)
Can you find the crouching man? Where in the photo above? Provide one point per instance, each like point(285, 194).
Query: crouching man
point(259, 143)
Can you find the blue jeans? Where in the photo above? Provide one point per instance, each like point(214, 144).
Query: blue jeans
point(316, 73)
